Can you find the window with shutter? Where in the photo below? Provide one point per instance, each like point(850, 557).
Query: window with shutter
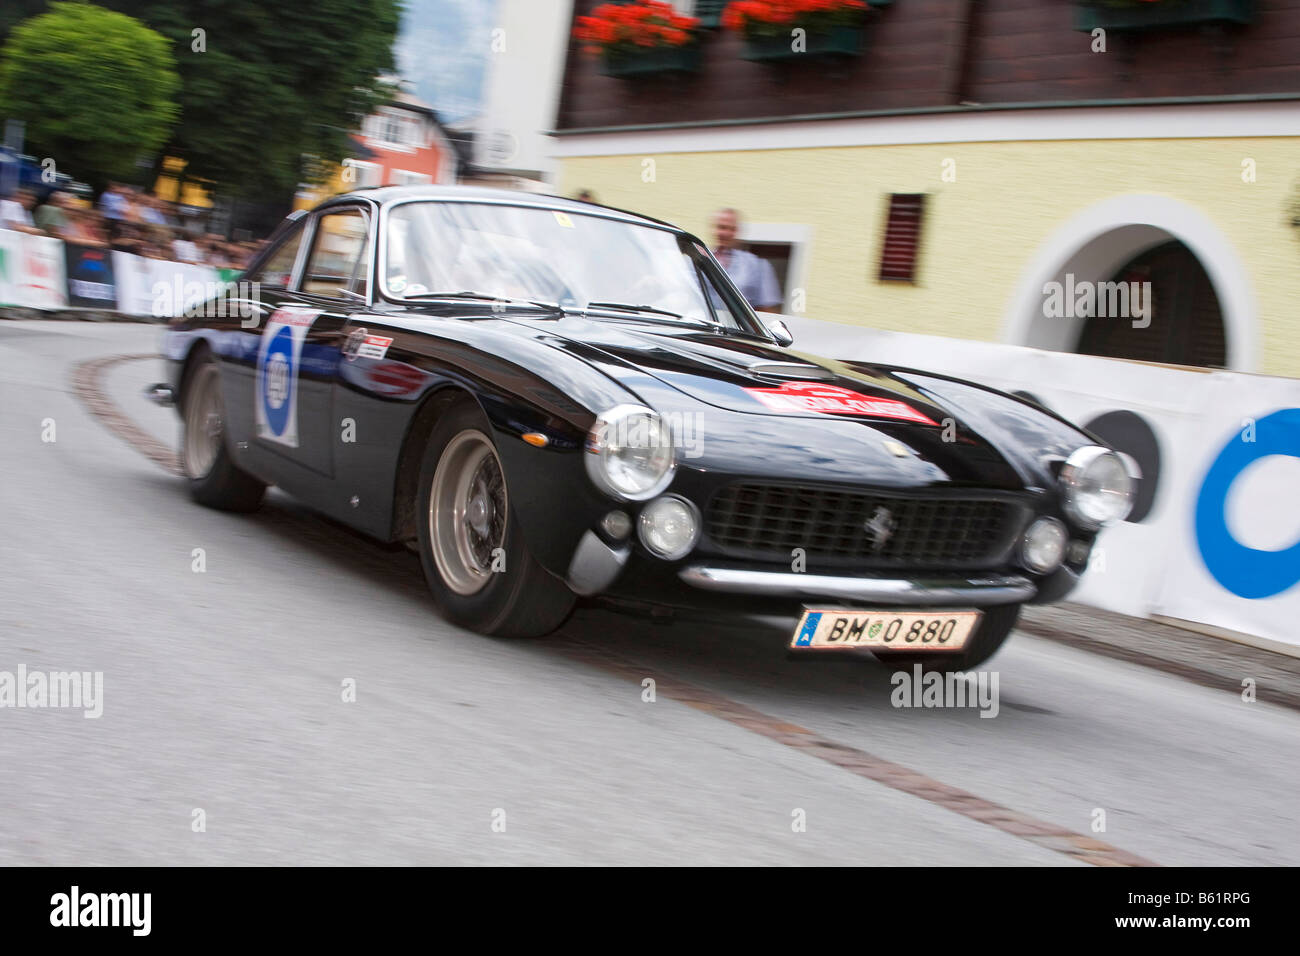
point(1184, 325)
point(898, 251)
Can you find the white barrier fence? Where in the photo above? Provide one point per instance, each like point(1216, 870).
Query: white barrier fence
point(1219, 545)
point(32, 271)
point(38, 272)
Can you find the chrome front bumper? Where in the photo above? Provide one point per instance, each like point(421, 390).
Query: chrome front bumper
point(979, 591)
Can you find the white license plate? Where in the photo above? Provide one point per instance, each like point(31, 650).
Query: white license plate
point(841, 628)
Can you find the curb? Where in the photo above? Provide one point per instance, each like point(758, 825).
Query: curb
point(75, 314)
point(1201, 659)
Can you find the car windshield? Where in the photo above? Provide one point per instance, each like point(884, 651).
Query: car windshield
point(544, 255)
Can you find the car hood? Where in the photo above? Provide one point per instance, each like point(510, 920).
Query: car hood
point(962, 433)
point(746, 375)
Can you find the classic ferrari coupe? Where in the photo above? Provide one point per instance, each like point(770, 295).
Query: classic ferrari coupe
point(552, 399)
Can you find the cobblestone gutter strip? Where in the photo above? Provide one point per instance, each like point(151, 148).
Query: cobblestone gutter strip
point(1051, 836)
point(88, 386)
point(1210, 661)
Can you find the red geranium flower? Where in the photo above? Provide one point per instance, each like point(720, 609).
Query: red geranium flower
point(774, 16)
point(628, 26)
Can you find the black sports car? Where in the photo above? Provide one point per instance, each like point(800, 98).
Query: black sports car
point(553, 399)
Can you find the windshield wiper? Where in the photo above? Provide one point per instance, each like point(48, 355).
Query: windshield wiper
point(628, 307)
point(485, 297)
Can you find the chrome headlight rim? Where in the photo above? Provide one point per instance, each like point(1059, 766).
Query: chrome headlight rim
point(594, 453)
point(1048, 520)
point(697, 521)
point(1073, 472)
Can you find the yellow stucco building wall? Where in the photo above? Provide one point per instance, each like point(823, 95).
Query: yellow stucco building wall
point(981, 230)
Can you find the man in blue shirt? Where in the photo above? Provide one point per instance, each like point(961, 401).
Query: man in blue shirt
point(755, 277)
point(112, 204)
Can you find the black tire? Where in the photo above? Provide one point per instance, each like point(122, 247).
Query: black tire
point(461, 549)
point(214, 478)
point(994, 628)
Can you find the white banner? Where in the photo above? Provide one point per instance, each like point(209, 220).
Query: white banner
point(31, 271)
point(159, 288)
point(10, 244)
point(32, 275)
point(134, 285)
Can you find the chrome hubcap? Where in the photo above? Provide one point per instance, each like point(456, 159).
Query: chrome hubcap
point(467, 512)
point(203, 423)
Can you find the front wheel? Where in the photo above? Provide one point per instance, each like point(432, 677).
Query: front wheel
point(478, 567)
point(993, 629)
point(214, 478)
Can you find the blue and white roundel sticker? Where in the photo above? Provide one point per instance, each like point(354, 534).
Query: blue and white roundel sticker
point(278, 360)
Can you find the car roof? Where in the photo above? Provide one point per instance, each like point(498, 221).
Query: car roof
point(387, 195)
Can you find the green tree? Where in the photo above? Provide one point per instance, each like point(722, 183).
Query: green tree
point(266, 84)
point(96, 88)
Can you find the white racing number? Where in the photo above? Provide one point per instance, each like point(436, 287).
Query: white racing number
point(279, 358)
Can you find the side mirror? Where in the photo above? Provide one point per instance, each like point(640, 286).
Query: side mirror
point(779, 332)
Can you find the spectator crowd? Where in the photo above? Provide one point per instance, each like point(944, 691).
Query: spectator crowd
point(126, 219)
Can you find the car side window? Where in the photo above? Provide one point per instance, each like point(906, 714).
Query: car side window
point(277, 271)
point(339, 259)
point(725, 309)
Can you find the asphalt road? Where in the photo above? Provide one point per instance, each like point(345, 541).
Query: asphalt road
point(222, 691)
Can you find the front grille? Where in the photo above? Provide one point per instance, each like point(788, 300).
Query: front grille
point(767, 522)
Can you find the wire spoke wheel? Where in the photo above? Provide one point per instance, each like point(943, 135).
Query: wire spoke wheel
point(204, 423)
point(468, 509)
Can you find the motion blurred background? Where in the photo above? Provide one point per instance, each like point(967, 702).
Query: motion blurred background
point(987, 188)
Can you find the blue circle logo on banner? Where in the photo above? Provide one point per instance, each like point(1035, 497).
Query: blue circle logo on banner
point(1246, 572)
point(277, 378)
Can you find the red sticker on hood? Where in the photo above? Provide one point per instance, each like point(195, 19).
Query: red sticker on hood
point(833, 400)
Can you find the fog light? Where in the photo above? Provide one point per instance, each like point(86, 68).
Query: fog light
point(617, 525)
point(669, 526)
point(1043, 546)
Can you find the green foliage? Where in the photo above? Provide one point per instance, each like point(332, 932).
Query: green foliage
point(97, 89)
point(275, 82)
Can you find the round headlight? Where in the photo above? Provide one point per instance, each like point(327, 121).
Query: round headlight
point(630, 453)
point(1043, 547)
point(1095, 487)
point(669, 526)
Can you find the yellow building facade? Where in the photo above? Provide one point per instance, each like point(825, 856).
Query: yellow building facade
point(1012, 201)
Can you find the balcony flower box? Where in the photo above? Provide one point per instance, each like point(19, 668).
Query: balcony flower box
point(1160, 14)
point(840, 41)
point(662, 59)
point(830, 27)
point(640, 38)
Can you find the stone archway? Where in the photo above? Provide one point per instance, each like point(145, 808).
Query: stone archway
point(1095, 244)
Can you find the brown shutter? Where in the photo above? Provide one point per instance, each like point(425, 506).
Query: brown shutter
point(902, 237)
